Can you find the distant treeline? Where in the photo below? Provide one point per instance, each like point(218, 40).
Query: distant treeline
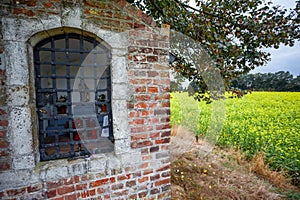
point(279, 81)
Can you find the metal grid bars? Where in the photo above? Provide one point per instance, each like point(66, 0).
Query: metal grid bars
point(73, 96)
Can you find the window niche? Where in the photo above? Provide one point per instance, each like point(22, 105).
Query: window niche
point(73, 96)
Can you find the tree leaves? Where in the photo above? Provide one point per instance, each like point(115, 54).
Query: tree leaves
point(233, 33)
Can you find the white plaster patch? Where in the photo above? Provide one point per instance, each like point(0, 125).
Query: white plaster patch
point(98, 164)
point(120, 120)
point(16, 63)
point(18, 96)
point(120, 92)
point(71, 17)
point(122, 145)
point(20, 29)
point(56, 173)
point(20, 130)
point(119, 72)
point(23, 162)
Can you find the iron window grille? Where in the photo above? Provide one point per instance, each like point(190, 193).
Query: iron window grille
point(73, 96)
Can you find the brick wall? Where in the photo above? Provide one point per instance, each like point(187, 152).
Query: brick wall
point(140, 166)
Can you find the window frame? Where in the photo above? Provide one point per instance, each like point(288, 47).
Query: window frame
point(70, 129)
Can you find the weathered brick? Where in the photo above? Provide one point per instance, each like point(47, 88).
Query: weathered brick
point(141, 144)
point(25, 2)
point(130, 183)
point(123, 177)
point(16, 192)
point(4, 165)
point(18, 11)
point(65, 190)
point(3, 122)
point(163, 141)
point(117, 186)
point(153, 89)
point(4, 143)
point(154, 149)
point(143, 194)
point(163, 182)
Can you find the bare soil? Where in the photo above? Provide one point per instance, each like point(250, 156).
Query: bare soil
point(223, 174)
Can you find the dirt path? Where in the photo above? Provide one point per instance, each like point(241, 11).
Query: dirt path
point(220, 174)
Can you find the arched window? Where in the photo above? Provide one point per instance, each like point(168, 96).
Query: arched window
point(73, 96)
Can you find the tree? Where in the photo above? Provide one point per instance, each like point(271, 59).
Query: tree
point(232, 32)
point(279, 81)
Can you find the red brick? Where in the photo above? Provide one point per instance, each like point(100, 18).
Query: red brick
point(133, 114)
point(163, 182)
point(146, 113)
point(3, 122)
point(68, 181)
point(152, 74)
point(34, 188)
point(152, 58)
point(134, 196)
point(71, 197)
point(76, 179)
point(154, 191)
point(2, 112)
point(138, 121)
point(145, 151)
point(123, 177)
point(141, 129)
point(153, 89)
point(99, 182)
point(3, 133)
point(154, 149)
point(154, 135)
point(4, 153)
point(140, 89)
point(65, 190)
point(18, 11)
point(27, 2)
point(144, 165)
point(51, 193)
point(155, 177)
point(92, 192)
point(140, 105)
point(4, 143)
point(164, 168)
point(162, 82)
point(165, 104)
point(166, 134)
point(16, 192)
point(140, 58)
point(144, 97)
point(121, 193)
point(147, 171)
point(117, 186)
point(4, 165)
point(162, 112)
point(143, 179)
point(47, 4)
point(54, 184)
point(141, 144)
point(101, 190)
point(139, 137)
point(81, 186)
point(163, 141)
point(143, 194)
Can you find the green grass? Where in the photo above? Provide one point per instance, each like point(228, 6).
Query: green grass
point(266, 122)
